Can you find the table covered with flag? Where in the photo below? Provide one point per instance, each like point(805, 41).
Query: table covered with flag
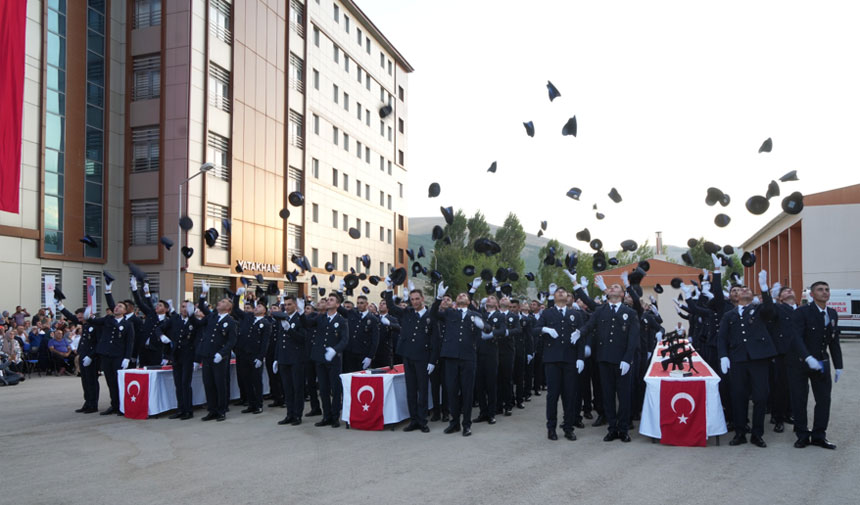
point(372, 400)
point(681, 410)
point(146, 392)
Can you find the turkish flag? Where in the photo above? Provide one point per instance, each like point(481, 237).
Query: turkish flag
point(365, 409)
point(683, 416)
point(136, 395)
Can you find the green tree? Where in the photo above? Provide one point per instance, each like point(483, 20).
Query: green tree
point(477, 227)
point(512, 239)
point(702, 259)
point(644, 252)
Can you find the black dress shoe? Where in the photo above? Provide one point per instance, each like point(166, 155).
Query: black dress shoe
point(624, 437)
point(90, 410)
point(118, 413)
point(552, 435)
point(297, 421)
point(788, 420)
point(412, 426)
point(570, 435)
point(220, 418)
point(537, 393)
point(467, 431)
point(491, 420)
point(738, 440)
point(452, 428)
point(286, 420)
point(758, 442)
point(778, 427)
point(209, 417)
point(425, 429)
point(276, 404)
point(435, 417)
point(313, 412)
point(248, 410)
point(507, 412)
point(600, 421)
point(335, 423)
point(258, 410)
point(480, 419)
point(610, 436)
point(80, 410)
point(240, 403)
point(446, 417)
point(579, 425)
point(824, 444)
point(588, 415)
point(730, 426)
point(186, 416)
point(801, 443)
point(324, 422)
point(520, 406)
point(175, 416)
point(108, 411)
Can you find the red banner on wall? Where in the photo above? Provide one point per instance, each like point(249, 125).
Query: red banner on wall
point(13, 28)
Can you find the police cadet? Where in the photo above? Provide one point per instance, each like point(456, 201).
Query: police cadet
point(290, 342)
point(458, 348)
point(114, 348)
point(809, 365)
point(783, 331)
point(213, 352)
point(745, 348)
point(523, 354)
point(487, 364)
point(251, 343)
point(329, 339)
point(506, 331)
point(153, 330)
point(438, 388)
point(389, 336)
point(535, 380)
point(614, 340)
point(87, 353)
point(185, 329)
point(363, 336)
point(418, 350)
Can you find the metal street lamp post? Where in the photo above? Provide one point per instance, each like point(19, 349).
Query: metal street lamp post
point(203, 169)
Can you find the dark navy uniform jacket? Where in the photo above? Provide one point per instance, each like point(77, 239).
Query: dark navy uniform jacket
point(615, 335)
point(745, 338)
point(783, 328)
point(327, 332)
point(416, 340)
point(460, 335)
point(117, 337)
point(89, 335)
point(363, 332)
point(506, 331)
point(218, 335)
point(291, 343)
point(560, 350)
point(814, 338)
point(253, 337)
point(185, 335)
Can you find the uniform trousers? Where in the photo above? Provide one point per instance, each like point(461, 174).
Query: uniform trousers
point(801, 379)
point(749, 379)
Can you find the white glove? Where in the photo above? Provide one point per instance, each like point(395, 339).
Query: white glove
point(814, 364)
point(240, 291)
point(440, 291)
point(550, 331)
point(652, 300)
point(388, 282)
point(708, 295)
point(329, 353)
point(163, 362)
point(574, 336)
point(625, 280)
point(124, 364)
point(132, 281)
point(529, 358)
point(571, 276)
point(107, 287)
point(776, 288)
point(60, 306)
point(300, 305)
point(342, 285)
point(146, 288)
point(587, 351)
point(583, 281)
point(706, 286)
point(598, 281)
point(495, 284)
point(204, 287)
point(365, 363)
point(762, 280)
point(725, 364)
point(718, 263)
point(687, 290)
point(580, 366)
point(659, 335)
point(257, 363)
point(430, 368)
point(275, 366)
point(384, 320)
point(217, 358)
point(486, 336)
point(552, 289)
point(88, 312)
point(541, 298)
point(624, 367)
point(476, 283)
point(478, 322)
point(164, 339)
point(87, 361)
point(837, 375)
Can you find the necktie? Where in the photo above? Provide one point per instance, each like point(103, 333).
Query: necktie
point(614, 309)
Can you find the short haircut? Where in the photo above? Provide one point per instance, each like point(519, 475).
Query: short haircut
point(361, 297)
point(128, 303)
point(290, 297)
point(337, 296)
point(79, 311)
point(514, 300)
point(417, 291)
point(164, 302)
point(818, 283)
point(560, 289)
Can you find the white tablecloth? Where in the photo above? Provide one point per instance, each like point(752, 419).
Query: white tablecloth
point(395, 407)
point(650, 423)
point(162, 390)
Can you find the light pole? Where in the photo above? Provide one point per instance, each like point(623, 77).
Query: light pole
point(203, 169)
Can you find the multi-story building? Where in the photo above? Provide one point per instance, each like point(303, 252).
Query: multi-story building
point(126, 100)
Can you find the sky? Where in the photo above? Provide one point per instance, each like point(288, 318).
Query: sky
point(671, 97)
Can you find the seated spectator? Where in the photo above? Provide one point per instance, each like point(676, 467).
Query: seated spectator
point(62, 355)
point(23, 340)
point(11, 349)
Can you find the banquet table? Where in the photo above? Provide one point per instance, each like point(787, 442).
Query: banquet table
point(681, 404)
point(379, 398)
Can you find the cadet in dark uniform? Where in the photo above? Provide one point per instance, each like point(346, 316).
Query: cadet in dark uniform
point(87, 353)
point(251, 344)
point(153, 330)
point(185, 328)
point(783, 331)
point(311, 384)
point(114, 348)
point(535, 380)
point(507, 331)
point(745, 348)
point(460, 338)
point(329, 339)
point(389, 335)
point(419, 351)
point(523, 354)
point(363, 336)
point(809, 365)
point(213, 351)
point(438, 388)
point(486, 373)
point(291, 341)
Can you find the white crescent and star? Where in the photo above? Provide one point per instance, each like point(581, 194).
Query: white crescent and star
point(683, 396)
point(362, 389)
point(128, 389)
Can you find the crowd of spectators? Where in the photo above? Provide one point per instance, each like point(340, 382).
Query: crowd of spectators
point(45, 342)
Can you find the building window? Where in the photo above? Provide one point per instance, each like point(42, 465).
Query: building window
point(367, 155)
point(336, 13)
point(381, 163)
point(381, 59)
point(216, 215)
point(345, 182)
point(358, 110)
point(144, 222)
point(389, 202)
point(382, 199)
point(367, 44)
point(219, 154)
point(335, 135)
point(367, 80)
point(334, 177)
point(315, 212)
point(400, 255)
point(400, 157)
point(400, 92)
point(346, 62)
point(315, 257)
point(147, 13)
point(390, 136)
point(389, 67)
point(316, 79)
point(219, 87)
point(346, 101)
point(334, 260)
point(400, 222)
point(336, 54)
point(367, 229)
point(219, 20)
point(367, 116)
point(389, 235)
point(367, 193)
point(381, 234)
point(315, 168)
point(316, 36)
point(316, 124)
point(94, 132)
point(55, 126)
point(358, 149)
point(145, 149)
point(335, 93)
point(294, 239)
point(296, 129)
point(345, 261)
point(345, 223)
point(400, 189)
point(334, 219)
point(297, 17)
point(400, 125)
point(294, 179)
point(381, 269)
point(358, 263)
point(358, 187)
point(147, 77)
point(359, 73)
point(297, 78)
point(358, 224)
point(346, 22)
point(345, 141)
point(389, 168)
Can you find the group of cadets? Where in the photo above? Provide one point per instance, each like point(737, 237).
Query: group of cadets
point(494, 353)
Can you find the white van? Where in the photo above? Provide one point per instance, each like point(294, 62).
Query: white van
point(846, 302)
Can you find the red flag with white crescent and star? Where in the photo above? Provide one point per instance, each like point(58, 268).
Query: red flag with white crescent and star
point(136, 395)
point(365, 410)
point(683, 413)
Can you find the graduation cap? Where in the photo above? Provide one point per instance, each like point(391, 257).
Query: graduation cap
point(599, 215)
point(259, 278)
point(438, 232)
point(687, 258)
point(109, 278)
point(506, 289)
point(284, 213)
point(583, 235)
point(613, 261)
point(594, 207)
point(569, 127)
point(365, 290)
point(421, 251)
point(748, 259)
point(492, 168)
point(658, 289)
point(350, 281)
point(398, 276)
point(513, 276)
point(487, 275)
point(373, 279)
point(772, 190)
point(416, 269)
point(574, 193)
point(58, 295)
point(469, 270)
point(692, 243)
point(613, 194)
point(530, 276)
point(757, 205)
point(789, 177)
point(629, 245)
point(305, 264)
point(489, 289)
point(793, 203)
point(272, 288)
point(292, 276)
point(211, 235)
point(722, 220)
point(636, 275)
point(258, 291)
point(329, 267)
point(186, 223)
point(322, 291)
point(550, 259)
point(89, 242)
point(644, 265)
point(354, 233)
point(435, 276)
point(187, 252)
point(365, 260)
point(598, 264)
point(245, 281)
point(166, 242)
point(553, 92)
point(570, 261)
point(540, 233)
point(384, 111)
point(596, 244)
point(766, 146)
point(448, 214)
point(296, 199)
point(530, 128)
point(279, 315)
point(728, 249)
point(487, 246)
point(331, 278)
point(714, 195)
point(501, 275)
point(135, 270)
point(362, 276)
point(226, 224)
point(434, 190)
point(723, 259)
point(543, 225)
point(711, 248)
point(676, 282)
